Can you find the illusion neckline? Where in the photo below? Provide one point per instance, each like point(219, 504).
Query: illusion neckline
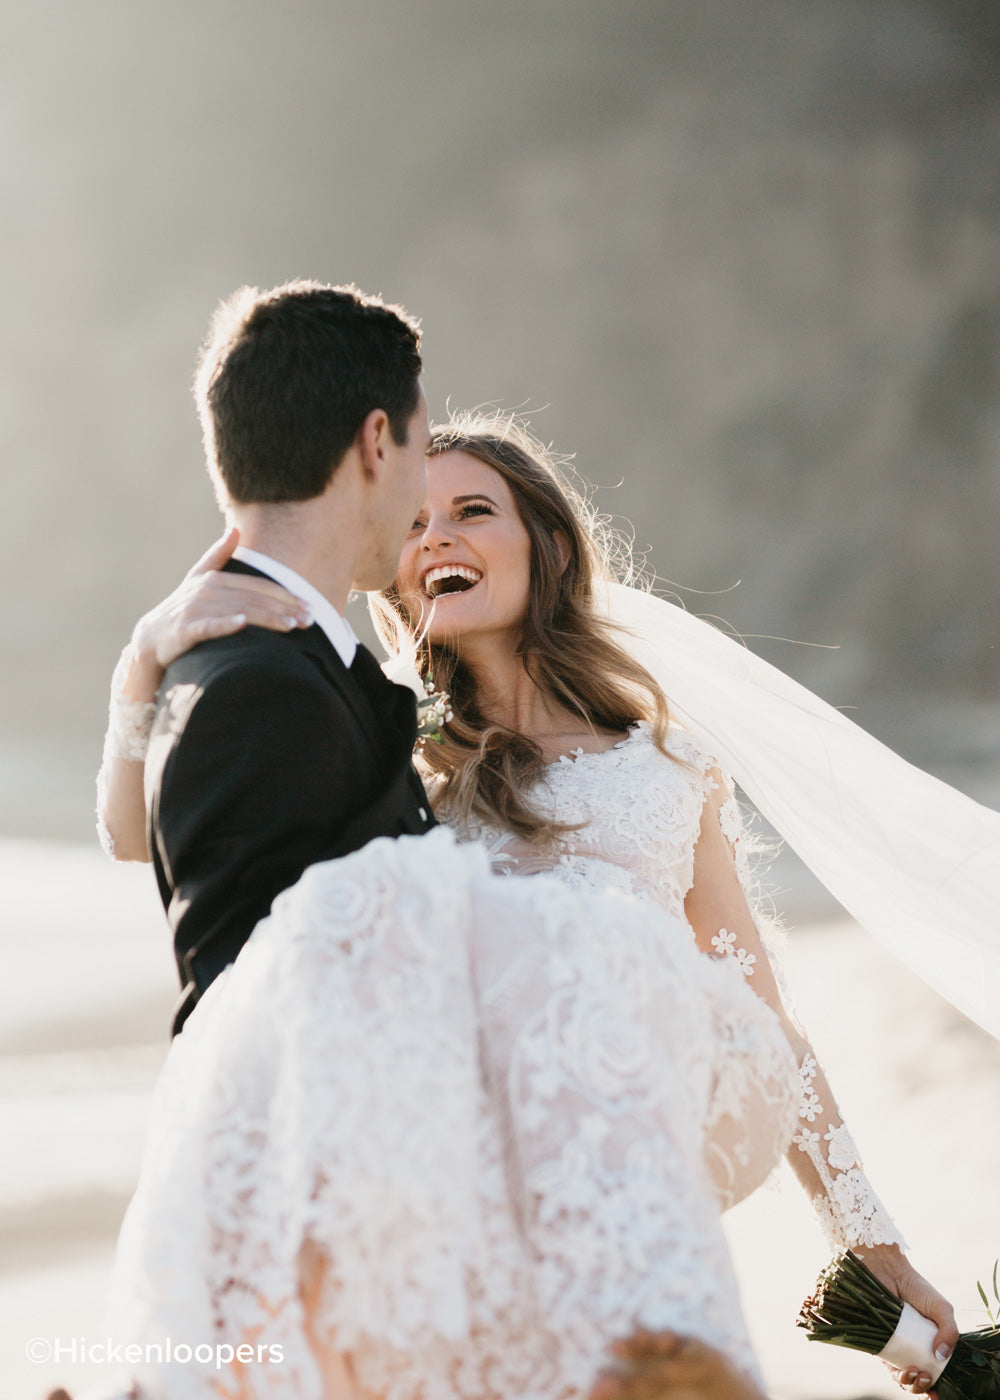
point(577, 755)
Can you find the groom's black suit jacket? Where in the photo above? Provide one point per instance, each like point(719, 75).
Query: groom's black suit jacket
point(268, 754)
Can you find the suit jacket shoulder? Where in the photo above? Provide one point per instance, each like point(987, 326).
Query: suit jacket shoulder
point(266, 756)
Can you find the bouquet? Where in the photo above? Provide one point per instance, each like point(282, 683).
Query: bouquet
point(851, 1308)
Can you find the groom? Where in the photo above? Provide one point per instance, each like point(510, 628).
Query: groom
point(269, 750)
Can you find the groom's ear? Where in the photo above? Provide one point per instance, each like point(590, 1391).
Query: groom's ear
point(373, 440)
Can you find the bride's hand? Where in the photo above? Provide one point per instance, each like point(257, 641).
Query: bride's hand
point(890, 1265)
point(206, 604)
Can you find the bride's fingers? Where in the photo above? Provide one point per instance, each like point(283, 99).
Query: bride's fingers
point(265, 604)
point(211, 605)
point(253, 587)
point(902, 1279)
point(217, 554)
point(911, 1380)
point(188, 634)
point(922, 1295)
point(210, 627)
point(927, 1300)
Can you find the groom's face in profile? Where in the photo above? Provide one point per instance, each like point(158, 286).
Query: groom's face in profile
point(400, 500)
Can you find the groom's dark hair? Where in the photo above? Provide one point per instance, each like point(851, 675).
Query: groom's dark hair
point(287, 377)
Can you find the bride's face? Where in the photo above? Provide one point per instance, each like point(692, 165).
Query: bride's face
point(466, 562)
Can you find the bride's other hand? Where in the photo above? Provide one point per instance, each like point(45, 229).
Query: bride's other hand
point(891, 1267)
point(206, 604)
point(664, 1366)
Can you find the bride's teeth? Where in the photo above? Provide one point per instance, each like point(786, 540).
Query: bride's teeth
point(446, 571)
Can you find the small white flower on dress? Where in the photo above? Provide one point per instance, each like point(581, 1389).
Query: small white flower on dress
point(809, 1105)
point(746, 961)
point(730, 820)
point(807, 1141)
point(724, 942)
point(831, 1225)
point(843, 1153)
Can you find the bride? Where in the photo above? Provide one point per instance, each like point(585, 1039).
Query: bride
point(553, 1086)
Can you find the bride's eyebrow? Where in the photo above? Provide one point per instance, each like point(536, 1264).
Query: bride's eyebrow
point(478, 496)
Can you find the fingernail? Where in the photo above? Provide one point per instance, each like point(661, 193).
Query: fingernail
point(291, 621)
point(943, 1352)
point(238, 619)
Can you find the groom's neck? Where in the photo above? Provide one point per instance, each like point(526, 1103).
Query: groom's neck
point(305, 537)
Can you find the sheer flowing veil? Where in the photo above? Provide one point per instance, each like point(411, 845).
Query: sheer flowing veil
point(914, 861)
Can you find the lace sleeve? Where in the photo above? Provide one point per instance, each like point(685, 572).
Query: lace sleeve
point(723, 906)
point(126, 738)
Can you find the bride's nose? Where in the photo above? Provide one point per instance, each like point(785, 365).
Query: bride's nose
point(437, 535)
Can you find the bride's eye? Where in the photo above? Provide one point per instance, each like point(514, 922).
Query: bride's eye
point(475, 508)
point(417, 526)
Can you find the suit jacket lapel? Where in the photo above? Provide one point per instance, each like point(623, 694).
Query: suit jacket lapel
point(392, 704)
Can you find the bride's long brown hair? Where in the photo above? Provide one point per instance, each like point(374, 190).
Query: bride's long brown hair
point(484, 770)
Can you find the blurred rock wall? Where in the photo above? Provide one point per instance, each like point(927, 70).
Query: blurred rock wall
point(741, 257)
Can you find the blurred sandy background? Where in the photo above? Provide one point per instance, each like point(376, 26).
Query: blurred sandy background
point(740, 256)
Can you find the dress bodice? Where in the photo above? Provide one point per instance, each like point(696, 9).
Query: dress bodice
point(636, 813)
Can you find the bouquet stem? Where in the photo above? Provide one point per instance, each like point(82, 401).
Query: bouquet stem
point(852, 1308)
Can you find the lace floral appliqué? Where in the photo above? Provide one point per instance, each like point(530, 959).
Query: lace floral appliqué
point(849, 1212)
point(724, 944)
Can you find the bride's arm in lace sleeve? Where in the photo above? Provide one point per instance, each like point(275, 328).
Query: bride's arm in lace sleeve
point(121, 808)
point(823, 1154)
point(207, 604)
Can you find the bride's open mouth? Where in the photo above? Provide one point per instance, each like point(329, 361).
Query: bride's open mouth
point(447, 579)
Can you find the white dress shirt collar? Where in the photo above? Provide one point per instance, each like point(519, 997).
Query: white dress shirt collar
point(324, 614)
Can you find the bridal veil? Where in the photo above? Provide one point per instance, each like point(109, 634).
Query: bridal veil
point(914, 861)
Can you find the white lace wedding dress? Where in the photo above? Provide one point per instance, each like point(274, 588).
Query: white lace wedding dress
point(507, 1113)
